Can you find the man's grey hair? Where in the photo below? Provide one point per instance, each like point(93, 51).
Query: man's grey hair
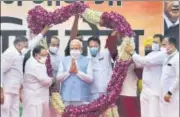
point(77, 42)
point(20, 39)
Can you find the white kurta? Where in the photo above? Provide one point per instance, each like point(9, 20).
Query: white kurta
point(36, 90)
point(12, 75)
point(129, 87)
point(150, 95)
point(102, 71)
point(170, 82)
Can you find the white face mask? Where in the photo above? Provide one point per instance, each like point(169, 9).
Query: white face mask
point(53, 50)
point(43, 60)
point(75, 54)
point(163, 49)
point(155, 47)
point(24, 51)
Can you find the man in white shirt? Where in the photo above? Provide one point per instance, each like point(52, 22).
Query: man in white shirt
point(152, 69)
point(102, 67)
point(12, 77)
point(75, 75)
point(170, 81)
point(36, 85)
point(12, 72)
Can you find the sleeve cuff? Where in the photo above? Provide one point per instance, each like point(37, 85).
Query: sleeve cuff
point(80, 73)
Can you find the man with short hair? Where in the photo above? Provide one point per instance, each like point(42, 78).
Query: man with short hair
point(152, 69)
point(52, 64)
point(12, 76)
point(36, 85)
point(102, 67)
point(170, 81)
point(75, 75)
point(12, 72)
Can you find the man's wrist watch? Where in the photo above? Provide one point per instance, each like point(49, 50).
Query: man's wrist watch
point(169, 93)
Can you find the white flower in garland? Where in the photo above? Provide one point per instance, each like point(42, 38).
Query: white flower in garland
point(127, 42)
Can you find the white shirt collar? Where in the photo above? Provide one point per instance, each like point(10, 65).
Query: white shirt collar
point(174, 53)
point(169, 23)
point(16, 51)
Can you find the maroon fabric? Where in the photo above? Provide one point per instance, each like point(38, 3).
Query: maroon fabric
point(49, 66)
point(111, 45)
point(138, 72)
point(128, 106)
point(55, 87)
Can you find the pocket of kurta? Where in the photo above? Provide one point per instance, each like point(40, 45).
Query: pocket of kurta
point(57, 103)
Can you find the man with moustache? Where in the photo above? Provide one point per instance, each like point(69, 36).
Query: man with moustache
point(75, 75)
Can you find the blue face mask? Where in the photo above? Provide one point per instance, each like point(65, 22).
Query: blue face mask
point(94, 51)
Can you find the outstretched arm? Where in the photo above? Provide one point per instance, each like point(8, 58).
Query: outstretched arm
point(111, 44)
point(34, 42)
point(73, 34)
point(154, 60)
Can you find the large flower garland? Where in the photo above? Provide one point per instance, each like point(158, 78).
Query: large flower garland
point(38, 18)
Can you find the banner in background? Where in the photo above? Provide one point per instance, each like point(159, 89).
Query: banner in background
point(171, 19)
point(146, 19)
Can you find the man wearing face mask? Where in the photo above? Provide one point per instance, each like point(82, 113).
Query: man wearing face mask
point(12, 72)
point(152, 69)
point(53, 58)
point(36, 85)
point(170, 81)
point(75, 75)
point(102, 67)
point(12, 76)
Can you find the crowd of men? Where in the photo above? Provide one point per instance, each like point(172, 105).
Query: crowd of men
point(30, 71)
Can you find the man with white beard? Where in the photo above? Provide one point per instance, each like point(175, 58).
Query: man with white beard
point(152, 70)
point(170, 81)
point(12, 72)
point(36, 85)
point(75, 75)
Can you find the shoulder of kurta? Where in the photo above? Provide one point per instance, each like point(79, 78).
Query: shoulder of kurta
point(105, 52)
point(84, 58)
point(175, 59)
point(65, 58)
point(32, 64)
point(10, 55)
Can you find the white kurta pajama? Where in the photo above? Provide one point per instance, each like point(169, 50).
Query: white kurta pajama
point(170, 82)
point(36, 90)
point(152, 70)
point(102, 71)
point(12, 75)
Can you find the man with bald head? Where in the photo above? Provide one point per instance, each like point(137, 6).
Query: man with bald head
point(75, 75)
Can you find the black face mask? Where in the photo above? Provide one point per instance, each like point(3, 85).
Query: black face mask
point(147, 51)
